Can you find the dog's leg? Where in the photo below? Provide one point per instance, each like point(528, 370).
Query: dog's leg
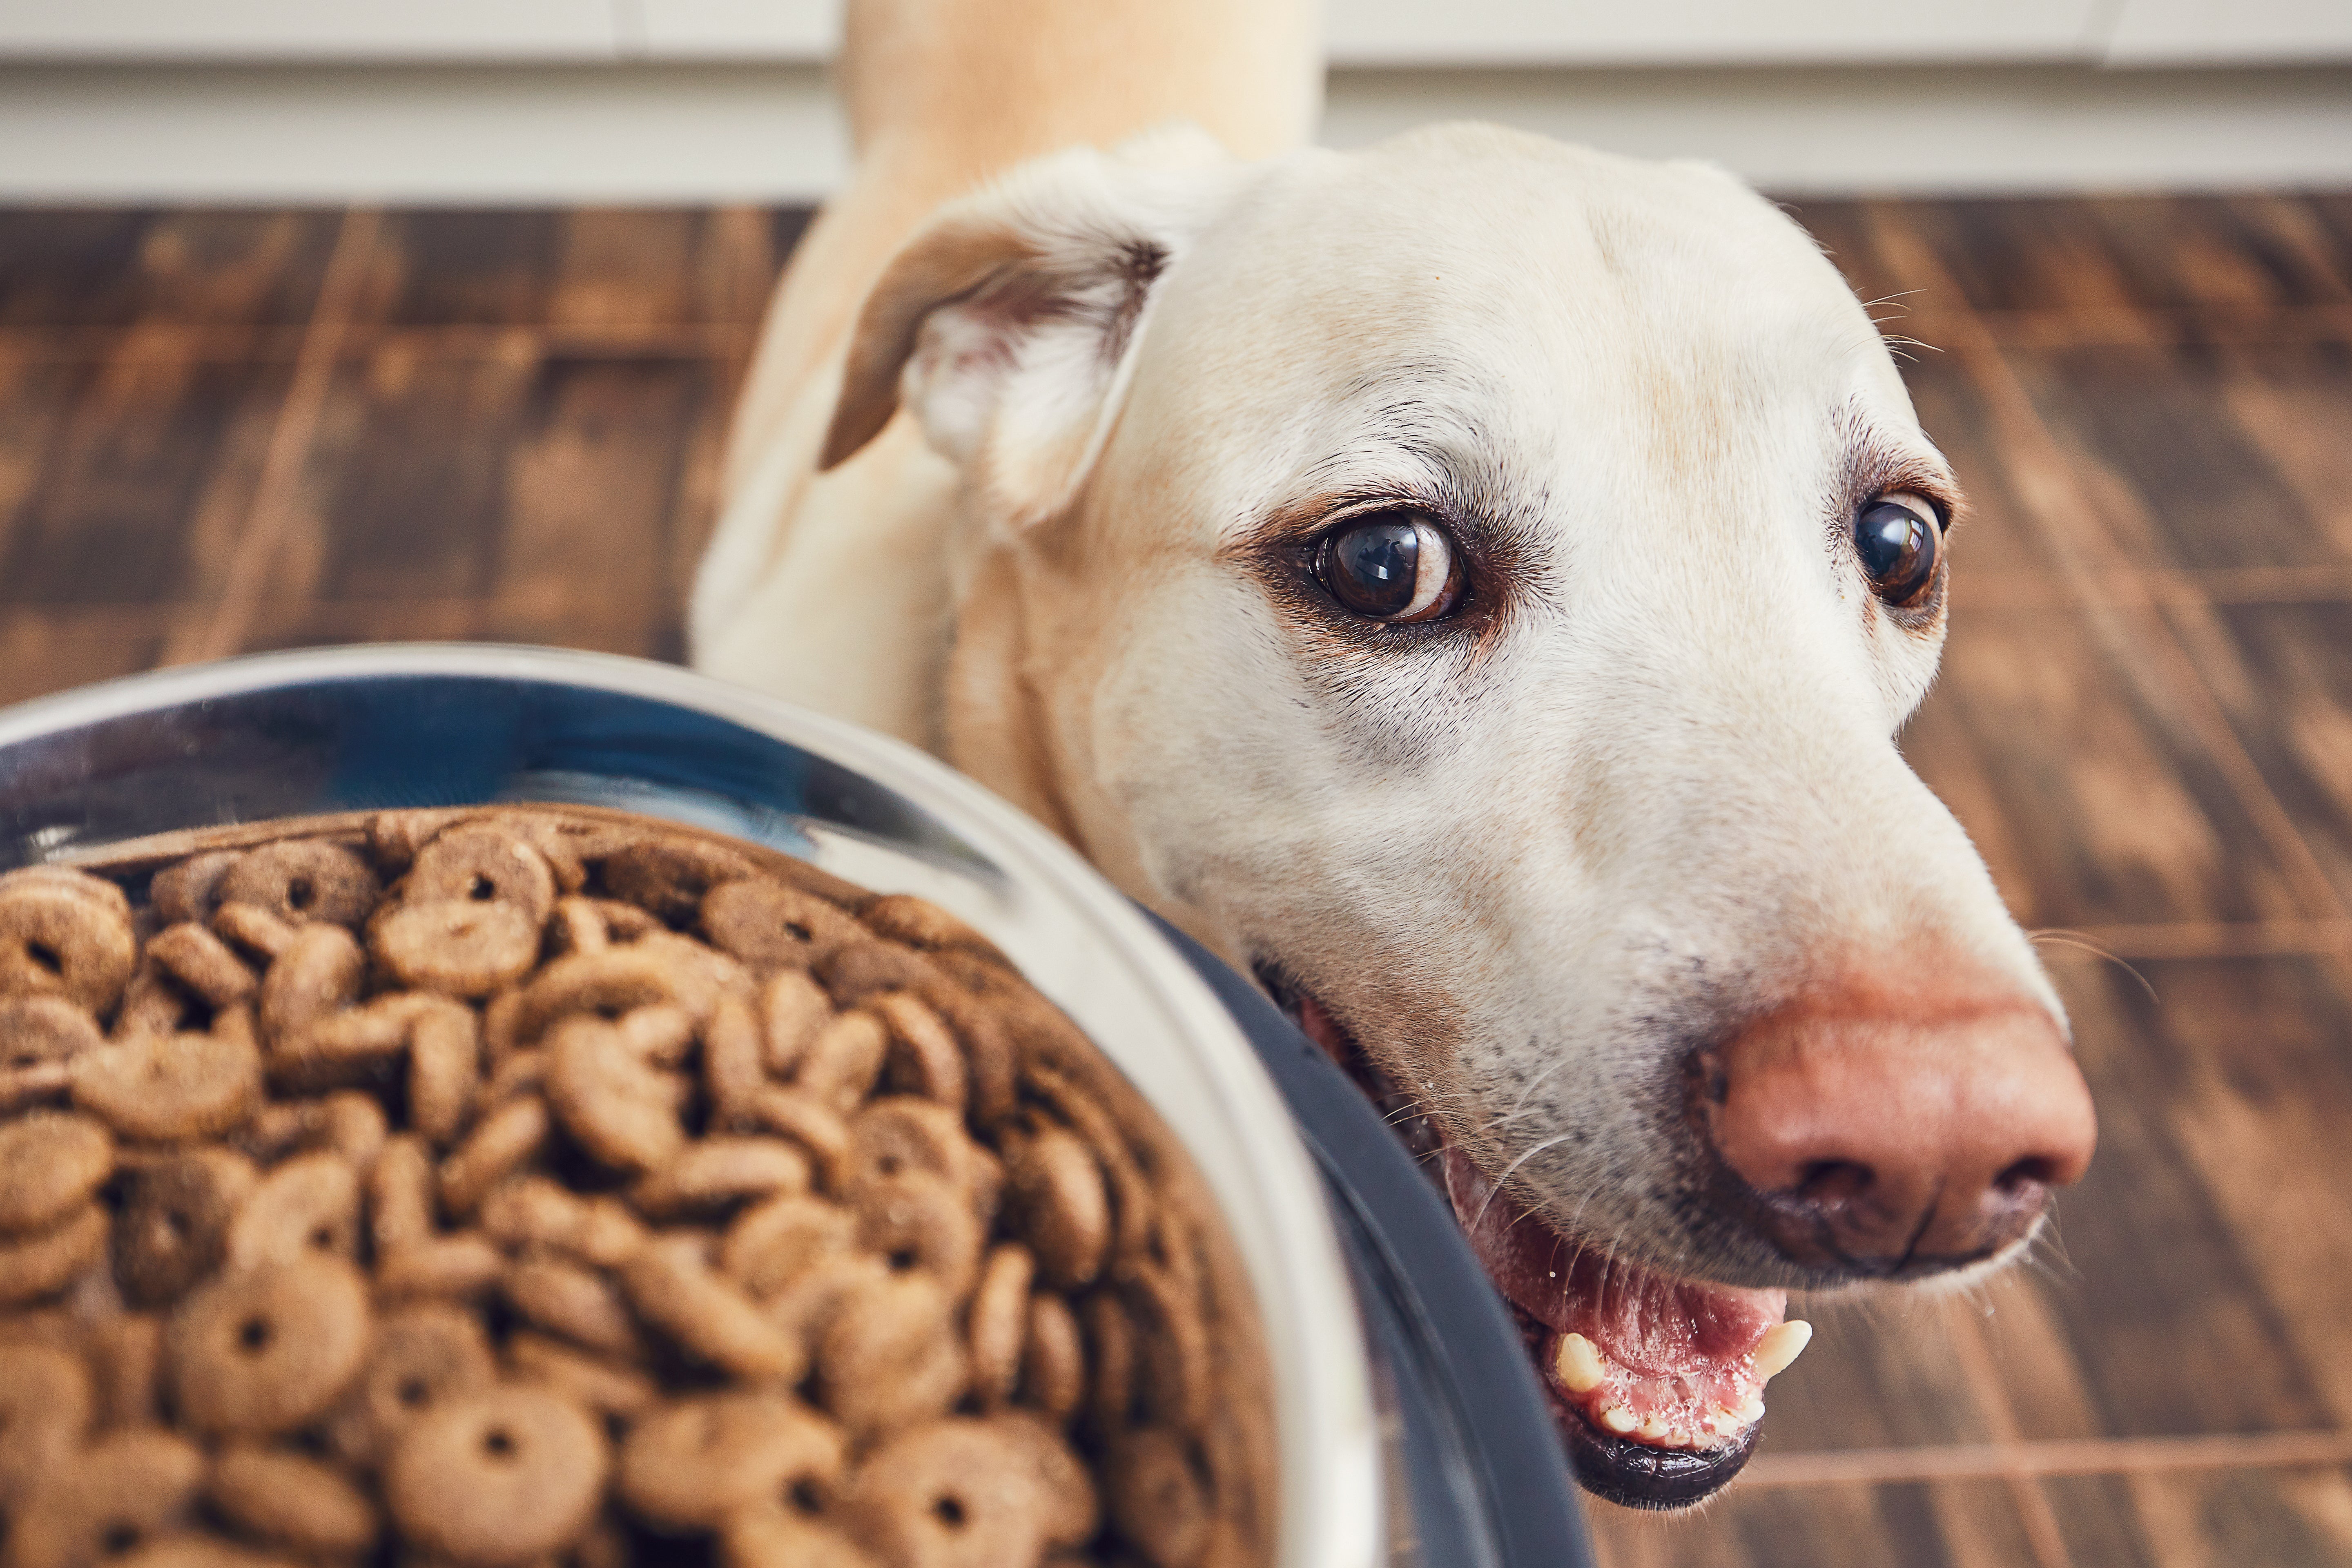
point(833, 590)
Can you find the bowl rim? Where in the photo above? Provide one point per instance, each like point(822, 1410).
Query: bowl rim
point(1330, 1486)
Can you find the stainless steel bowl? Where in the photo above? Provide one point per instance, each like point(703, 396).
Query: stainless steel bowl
point(352, 729)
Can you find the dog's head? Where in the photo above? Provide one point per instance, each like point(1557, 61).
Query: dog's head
point(1475, 582)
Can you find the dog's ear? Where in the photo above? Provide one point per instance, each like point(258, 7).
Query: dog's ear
point(1006, 324)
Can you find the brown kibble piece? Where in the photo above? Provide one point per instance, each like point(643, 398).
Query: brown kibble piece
point(310, 1203)
point(40, 1029)
point(318, 974)
point(45, 1262)
point(482, 862)
point(898, 1133)
point(771, 926)
point(919, 1222)
point(1053, 1359)
point(889, 1356)
point(842, 1060)
point(793, 1008)
point(850, 974)
point(667, 877)
point(50, 1162)
point(160, 1088)
point(1158, 1500)
point(203, 963)
point(591, 1381)
point(264, 1352)
point(421, 1358)
point(116, 1493)
point(614, 1106)
point(175, 1222)
point(286, 1500)
point(999, 1322)
point(186, 891)
point(779, 1535)
point(810, 1122)
point(126, 1359)
point(714, 1175)
point(455, 946)
point(781, 1240)
point(734, 1069)
point(45, 1408)
point(255, 929)
point(674, 1289)
point(443, 1269)
point(1054, 1194)
point(577, 1303)
point(1173, 1358)
point(497, 1479)
point(994, 1492)
point(508, 1137)
point(537, 1213)
point(924, 926)
point(690, 1464)
point(65, 934)
point(444, 1057)
point(400, 1193)
point(302, 880)
point(1111, 1358)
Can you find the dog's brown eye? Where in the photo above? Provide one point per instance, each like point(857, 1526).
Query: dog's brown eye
point(1899, 543)
point(1391, 566)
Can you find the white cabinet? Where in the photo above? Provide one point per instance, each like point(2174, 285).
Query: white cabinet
point(308, 30)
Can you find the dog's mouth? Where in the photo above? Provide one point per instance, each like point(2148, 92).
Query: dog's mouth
point(1656, 1383)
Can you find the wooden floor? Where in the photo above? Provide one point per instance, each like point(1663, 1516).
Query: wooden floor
point(230, 431)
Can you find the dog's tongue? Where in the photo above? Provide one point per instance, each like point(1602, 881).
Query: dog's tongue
point(1646, 1357)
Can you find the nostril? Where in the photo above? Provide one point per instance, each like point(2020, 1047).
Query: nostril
point(1830, 1181)
point(2035, 1170)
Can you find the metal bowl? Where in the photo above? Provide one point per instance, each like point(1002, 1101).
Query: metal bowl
point(359, 728)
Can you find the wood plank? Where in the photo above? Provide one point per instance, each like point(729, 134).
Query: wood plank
point(116, 268)
point(1952, 1524)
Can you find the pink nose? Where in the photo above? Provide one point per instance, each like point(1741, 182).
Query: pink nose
point(1897, 1140)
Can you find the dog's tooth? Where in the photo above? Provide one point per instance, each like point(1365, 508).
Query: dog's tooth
point(1619, 1419)
point(1751, 1412)
point(1578, 1362)
point(1724, 1423)
point(1781, 1345)
point(1650, 1430)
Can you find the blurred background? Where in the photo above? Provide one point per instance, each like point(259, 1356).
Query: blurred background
point(325, 322)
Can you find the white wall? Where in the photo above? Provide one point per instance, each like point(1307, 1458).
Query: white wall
point(573, 100)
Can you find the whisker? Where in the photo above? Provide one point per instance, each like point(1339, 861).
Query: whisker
point(2076, 939)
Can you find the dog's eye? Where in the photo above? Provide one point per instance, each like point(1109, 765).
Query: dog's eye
point(1899, 543)
point(1391, 566)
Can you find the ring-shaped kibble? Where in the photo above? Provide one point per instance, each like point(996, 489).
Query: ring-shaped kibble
point(200, 960)
point(455, 946)
point(781, 1240)
point(714, 1175)
point(783, 1535)
point(421, 1357)
point(45, 1408)
point(915, 1221)
point(482, 862)
point(174, 1227)
point(290, 1501)
point(793, 1010)
point(998, 1323)
point(50, 1162)
point(856, 971)
point(1159, 1498)
point(676, 1291)
point(841, 1064)
point(617, 1108)
point(889, 1357)
point(121, 1491)
point(310, 1203)
point(162, 1088)
point(185, 890)
point(58, 940)
point(1058, 1203)
point(924, 926)
point(258, 1353)
point(1053, 1359)
point(688, 1465)
point(507, 1138)
point(898, 1133)
point(1175, 1365)
point(769, 925)
point(667, 877)
point(46, 1261)
point(970, 1492)
point(604, 985)
point(318, 975)
point(497, 1479)
point(35, 1030)
point(302, 881)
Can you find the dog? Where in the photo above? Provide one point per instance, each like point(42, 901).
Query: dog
point(1473, 584)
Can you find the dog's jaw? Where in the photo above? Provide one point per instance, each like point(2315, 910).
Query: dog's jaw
point(1655, 1384)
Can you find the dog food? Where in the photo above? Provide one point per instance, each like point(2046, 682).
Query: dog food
point(545, 1188)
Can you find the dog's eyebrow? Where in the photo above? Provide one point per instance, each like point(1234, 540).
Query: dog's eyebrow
point(1877, 463)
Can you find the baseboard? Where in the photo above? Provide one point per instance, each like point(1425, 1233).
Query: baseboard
point(734, 132)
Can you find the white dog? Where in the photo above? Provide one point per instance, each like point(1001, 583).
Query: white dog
point(1473, 584)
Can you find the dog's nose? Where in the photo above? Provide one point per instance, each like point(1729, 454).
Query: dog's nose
point(1877, 1141)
